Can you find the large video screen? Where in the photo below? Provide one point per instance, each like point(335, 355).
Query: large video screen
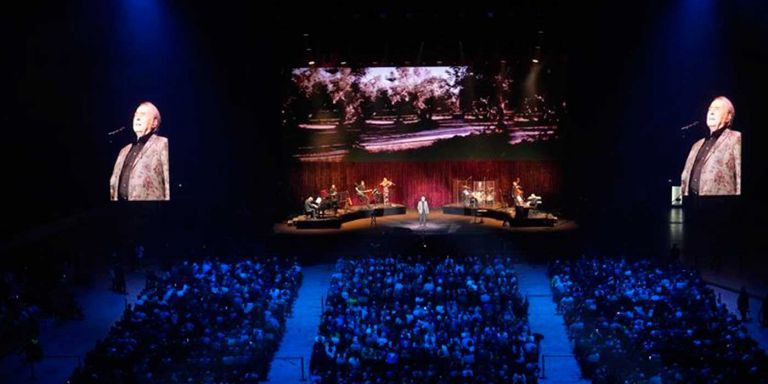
point(141, 171)
point(422, 113)
point(713, 164)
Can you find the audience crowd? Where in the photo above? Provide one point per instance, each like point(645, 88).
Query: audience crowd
point(199, 322)
point(636, 322)
point(425, 319)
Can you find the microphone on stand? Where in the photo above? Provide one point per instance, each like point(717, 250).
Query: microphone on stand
point(695, 123)
point(113, 133)
point(116, 131)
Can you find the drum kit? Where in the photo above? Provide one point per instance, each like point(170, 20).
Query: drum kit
point(478, 192)
point(484, 196)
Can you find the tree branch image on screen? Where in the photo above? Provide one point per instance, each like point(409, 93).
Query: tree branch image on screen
point(141, 170)
point(421, 113)
point(713, 166)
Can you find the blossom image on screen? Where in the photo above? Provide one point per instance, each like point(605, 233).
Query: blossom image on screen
point(392, 113)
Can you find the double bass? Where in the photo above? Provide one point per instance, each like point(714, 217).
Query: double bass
point(517, 192)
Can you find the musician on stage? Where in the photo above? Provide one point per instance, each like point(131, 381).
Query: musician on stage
point(333, 193)
point(467, 195)
point(333, 196)
point(517, 191)
point(310, 207)
point(361, 192)
point(521, 208)
point(385, 184)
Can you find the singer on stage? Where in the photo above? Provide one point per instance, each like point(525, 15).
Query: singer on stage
point(385, 185)
point(713, 166)
point(141, 169)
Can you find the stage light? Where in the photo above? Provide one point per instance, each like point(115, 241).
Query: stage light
point(311, 62)
point(343, 63)
point(532, 79)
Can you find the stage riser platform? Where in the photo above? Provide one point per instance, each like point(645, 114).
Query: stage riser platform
point(501, 215)
point(357, 214)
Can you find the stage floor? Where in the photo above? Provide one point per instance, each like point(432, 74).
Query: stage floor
point(437, 223)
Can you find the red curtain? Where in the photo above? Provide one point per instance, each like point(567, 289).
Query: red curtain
point(432, 179)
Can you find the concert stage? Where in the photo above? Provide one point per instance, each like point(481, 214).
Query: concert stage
point(356, 213)
point(534, 218)
point(438, 223)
